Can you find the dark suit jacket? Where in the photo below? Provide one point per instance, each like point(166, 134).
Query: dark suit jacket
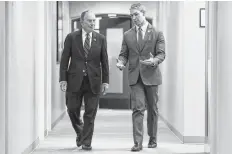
point(130, 52)
point(97, 62)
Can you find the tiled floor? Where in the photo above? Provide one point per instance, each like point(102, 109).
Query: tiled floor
point(113, 135)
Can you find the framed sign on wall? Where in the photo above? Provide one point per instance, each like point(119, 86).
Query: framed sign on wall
point(202, 18)
point(59, 32)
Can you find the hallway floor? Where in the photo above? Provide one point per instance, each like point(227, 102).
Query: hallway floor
point(113, 135)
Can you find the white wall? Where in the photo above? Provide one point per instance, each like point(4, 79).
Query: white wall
point(21, 103)
point(58, 99)
point(194, 71)
point(182, 94)
point(33, 97)
point(2, 77)
point(220, 22)
point(171, 103)
point(224, 73)
point(110, 7)
point(211, 47)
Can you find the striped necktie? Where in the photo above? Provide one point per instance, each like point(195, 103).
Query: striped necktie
point(87, 44)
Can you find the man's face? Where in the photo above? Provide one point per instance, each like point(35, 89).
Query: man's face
point(88, 23)
point(137, 17)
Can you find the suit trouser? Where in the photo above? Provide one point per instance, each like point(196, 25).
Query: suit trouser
point(74, 101)
point(76, 121)
point(140, 94)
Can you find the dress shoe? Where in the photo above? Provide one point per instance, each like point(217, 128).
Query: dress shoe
point(137, 147)
point(152, 143)
point(78, 143)
point(86, 147)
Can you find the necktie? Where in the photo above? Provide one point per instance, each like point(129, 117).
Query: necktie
point(140, 37)
point(87, 44)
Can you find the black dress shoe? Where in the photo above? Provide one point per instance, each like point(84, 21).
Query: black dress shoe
point(86, 147)
point(136, 147)
point(78, 143)
point(152, 144)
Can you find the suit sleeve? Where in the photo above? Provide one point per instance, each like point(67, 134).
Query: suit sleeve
point(104, 62)
point(65, 58)
point(123, 56)
point(160, 49)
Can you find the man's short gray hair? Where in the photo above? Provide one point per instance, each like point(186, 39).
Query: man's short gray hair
point(138, 6)
point(83, 15)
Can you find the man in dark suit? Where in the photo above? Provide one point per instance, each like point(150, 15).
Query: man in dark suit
point(143, 48)
point(86, 76)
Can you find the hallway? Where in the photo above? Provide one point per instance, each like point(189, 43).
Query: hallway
point(113, 135)
point(194, 98)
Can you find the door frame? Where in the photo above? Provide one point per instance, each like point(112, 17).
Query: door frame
point(211, 58)
point(110, 15)
point(3, 84)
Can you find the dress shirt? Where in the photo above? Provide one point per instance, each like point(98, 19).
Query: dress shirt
point(144, 29)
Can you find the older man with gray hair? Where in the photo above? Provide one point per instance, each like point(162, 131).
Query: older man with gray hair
point(143, 47)
point(86, 77)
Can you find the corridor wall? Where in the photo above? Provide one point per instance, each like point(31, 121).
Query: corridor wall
point(2, 76)
point(33, 100)
point(182, 94)
point(219, 47)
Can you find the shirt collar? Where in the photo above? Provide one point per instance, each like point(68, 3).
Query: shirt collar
point(144, 27)
point(84, 33)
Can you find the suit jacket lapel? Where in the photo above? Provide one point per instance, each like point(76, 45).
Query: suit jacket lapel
point(147, 35)
point(93, 42)
point(79, 42)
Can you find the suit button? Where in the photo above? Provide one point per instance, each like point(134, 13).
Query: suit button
point(84, 71)
point(86, 62)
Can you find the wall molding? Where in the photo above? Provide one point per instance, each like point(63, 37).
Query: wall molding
point(31, 147)
point(184, 139)
point(58, 119)
point(173, 129)
point(45, 132)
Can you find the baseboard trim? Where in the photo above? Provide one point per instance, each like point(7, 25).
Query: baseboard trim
point(31, 147)
point(194, 139)
point(58, 119)
point(184, 139)
point(45, 132)
point(174, 130)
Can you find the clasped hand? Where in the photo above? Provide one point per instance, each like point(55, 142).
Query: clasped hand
point(149, 61)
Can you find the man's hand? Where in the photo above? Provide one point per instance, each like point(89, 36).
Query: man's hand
point(150, 61)
point(120, 65)
point(63, 85)
point(104, 88)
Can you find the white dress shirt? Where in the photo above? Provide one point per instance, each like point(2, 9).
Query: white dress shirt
point(144, 29)
point(84, 37)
